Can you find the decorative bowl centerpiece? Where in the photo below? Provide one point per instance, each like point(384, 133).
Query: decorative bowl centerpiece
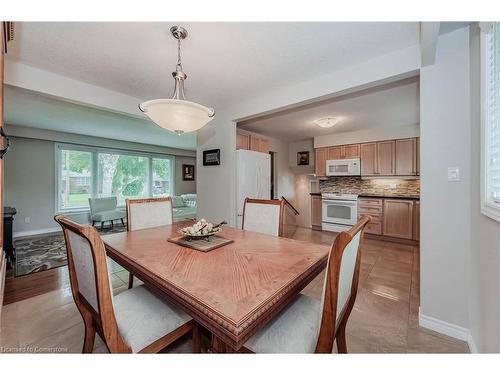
point(201, 230)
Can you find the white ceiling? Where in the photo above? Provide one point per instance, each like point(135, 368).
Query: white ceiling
point(391, 105)
point(225, 62)
point(27, 108)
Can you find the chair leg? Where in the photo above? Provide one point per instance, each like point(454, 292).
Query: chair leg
point(112, 224)
point(341, 341)
point(196, 338)
point(123, 222)
point(102, 225)
point(93, 222)
point(130, 280)
point(88, 343)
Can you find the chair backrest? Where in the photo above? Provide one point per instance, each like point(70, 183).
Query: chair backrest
point(102, 204)
point(149, 213)
point(263, 216)
point(90, 283)
point(341, 284)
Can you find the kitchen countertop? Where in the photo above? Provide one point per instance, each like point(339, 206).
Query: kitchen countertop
point(381, 196)
point(389, 196)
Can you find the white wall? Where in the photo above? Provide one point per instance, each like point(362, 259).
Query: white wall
point(484, 301)
point(445, 206)
point(368, 135)
point(216, 185)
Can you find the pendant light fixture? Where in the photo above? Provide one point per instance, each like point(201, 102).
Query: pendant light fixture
point(178, 114)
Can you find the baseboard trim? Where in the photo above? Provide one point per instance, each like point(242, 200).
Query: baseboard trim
point(448, 329)
point(36, 232)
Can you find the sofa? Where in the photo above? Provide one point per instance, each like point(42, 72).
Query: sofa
point(184, 207)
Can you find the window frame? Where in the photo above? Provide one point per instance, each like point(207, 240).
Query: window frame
point(95, 150)
point(488, 207)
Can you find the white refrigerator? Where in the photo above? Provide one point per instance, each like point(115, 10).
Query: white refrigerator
point(253, 178)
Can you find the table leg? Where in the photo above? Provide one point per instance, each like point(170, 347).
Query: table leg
point(217, 346)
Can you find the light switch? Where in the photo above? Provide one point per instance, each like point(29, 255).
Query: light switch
point(453, 174)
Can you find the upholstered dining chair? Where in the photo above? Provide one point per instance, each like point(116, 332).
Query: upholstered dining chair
point(146, 213)
point(134, 321)
point(309, 325)
point(263, 216)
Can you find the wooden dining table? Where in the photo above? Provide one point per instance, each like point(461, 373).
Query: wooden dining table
point(233, 290)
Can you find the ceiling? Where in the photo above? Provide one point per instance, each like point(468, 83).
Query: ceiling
point(31, 109)
point(391, 105)
point(225, 62)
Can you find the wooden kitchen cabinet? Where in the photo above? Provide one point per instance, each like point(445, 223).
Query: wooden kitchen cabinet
point(242, 141)
point(344, 152)
point(398, 218)
point(374, 208)
point(321, 155)
point(417, 155)
point(351, 151)
point(316, 214)
point(334, 152)
point(416, 220)
point(406, 157)
point(257, 144)
point(264, 146)
point(386, 158)
point(368, 159)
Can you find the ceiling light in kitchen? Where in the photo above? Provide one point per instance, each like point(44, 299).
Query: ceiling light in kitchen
point(327, 122)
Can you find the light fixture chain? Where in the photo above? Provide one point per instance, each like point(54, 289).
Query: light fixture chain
point(179, 63)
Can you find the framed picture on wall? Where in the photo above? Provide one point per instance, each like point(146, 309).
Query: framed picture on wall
point(303, 158)
point(187, 172)
point(211, 157)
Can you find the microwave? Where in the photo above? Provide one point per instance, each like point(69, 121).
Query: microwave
point(343, 167)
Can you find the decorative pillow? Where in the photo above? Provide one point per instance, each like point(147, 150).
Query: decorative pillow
point(190, 203)
point(177, 201)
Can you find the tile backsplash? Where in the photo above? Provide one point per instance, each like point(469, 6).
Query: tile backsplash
point(383, 187)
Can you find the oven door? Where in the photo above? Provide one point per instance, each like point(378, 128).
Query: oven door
point(340, 212)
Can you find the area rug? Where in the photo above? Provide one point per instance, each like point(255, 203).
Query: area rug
point(40, 253)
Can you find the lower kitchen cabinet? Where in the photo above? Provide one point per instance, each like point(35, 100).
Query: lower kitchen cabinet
point(416, 220)
point(398, 218)
point(316, 214)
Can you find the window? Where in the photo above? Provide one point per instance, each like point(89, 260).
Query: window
point(490, 91)
point(85, 172)
point(161, 177)
point(123, 176)
point(75, 170)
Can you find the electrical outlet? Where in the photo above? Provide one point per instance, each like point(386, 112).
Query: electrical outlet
point(392, 186)
point(27, 219)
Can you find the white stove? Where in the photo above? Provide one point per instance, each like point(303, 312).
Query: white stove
point(347, 197)
point(339, 211)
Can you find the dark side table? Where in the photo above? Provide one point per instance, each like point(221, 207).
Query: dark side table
point(8, 242)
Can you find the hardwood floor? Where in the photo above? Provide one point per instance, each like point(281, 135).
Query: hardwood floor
point(384, 318)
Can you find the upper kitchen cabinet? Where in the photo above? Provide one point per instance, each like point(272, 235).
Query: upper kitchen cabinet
point(334, 152)
point(377, 158)
point(242, 141)
point(352, 151)
point(406, 157)
point(418, 156)
point(321, 155)
point(368, 159)
point(343, 152)
point(386, 158)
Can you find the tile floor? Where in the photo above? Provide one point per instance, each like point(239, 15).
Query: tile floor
point(384, 319)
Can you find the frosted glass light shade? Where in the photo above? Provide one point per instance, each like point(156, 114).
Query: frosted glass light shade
point(180, 116)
